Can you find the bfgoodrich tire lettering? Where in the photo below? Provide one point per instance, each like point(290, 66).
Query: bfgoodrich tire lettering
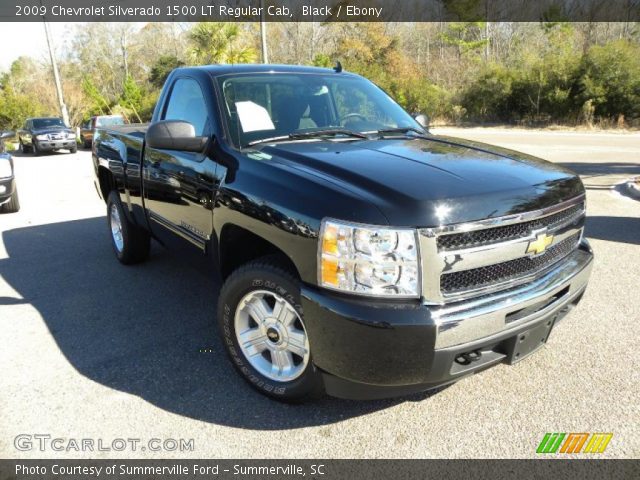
point(264, 275)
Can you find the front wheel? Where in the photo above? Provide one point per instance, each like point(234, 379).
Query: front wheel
point(73, 149)
point(262, 327)
point(131, 244)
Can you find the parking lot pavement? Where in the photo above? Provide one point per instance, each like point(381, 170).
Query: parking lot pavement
point(91, 349)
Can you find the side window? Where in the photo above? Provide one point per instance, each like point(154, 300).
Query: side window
point(187, 103)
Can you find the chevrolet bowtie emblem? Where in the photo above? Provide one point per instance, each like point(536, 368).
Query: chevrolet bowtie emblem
point(540, 244)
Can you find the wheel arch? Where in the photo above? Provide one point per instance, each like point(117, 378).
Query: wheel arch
point(106, 182)
point(238, 246)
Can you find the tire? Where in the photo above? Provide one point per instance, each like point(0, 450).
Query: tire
point(73, 149)
point(13, 205)
point(264, 280)
point(34, 148)
point(131, 244)
point(24, 148)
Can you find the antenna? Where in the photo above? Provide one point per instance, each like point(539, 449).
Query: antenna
point(338, 67)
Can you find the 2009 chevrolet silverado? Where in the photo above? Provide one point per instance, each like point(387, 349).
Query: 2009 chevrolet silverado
point(361, 255)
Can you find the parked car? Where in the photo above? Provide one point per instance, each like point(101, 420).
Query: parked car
point(9, 201)
point(87, 129)
point(47, 134)
point(360, 255)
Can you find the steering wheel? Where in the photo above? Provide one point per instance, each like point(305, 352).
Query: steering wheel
point(352, 115)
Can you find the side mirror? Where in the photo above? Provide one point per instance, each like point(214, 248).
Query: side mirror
point(174, 135)
point(7, 134)
point(423, 120)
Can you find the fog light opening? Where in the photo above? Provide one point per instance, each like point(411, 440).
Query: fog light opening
point(469, 357)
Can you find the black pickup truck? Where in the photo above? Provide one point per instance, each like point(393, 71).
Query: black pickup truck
point(360, 255)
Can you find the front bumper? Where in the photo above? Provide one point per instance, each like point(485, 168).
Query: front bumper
point(371, 349)
point(7, 187)
point(51, 145)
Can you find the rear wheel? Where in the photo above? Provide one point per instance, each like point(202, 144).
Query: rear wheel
point(262, 326)
point(13, 205)
point(130, 243)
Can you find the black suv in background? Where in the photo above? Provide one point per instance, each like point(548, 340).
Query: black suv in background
point(48, 134)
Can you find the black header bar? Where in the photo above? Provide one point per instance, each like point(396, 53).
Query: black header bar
point(320, 10)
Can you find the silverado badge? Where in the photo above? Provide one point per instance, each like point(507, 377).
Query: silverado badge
point(539, 245)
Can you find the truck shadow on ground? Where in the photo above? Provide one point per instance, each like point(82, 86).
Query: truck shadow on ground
point(146, 330)
point(614, 229)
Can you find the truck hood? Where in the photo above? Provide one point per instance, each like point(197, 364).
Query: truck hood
point(435, 181)
point(43, 131)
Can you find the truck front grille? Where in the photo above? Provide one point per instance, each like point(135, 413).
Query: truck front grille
point(488, 236)
point(469, 260)
point(500, 273)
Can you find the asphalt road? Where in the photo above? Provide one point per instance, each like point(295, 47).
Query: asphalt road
point(91, 349)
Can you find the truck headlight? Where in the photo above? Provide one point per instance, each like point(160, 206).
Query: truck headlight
point(42, 137)
point(5, 169)
point(369, 260)
point(71, 135)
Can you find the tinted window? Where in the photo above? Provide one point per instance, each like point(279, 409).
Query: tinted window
point(187, 103)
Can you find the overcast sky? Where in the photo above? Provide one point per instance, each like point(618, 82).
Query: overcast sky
point(27, 38)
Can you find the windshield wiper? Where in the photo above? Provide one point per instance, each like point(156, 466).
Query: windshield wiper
point(390, 131)
point(328, 132)
point(314, 134)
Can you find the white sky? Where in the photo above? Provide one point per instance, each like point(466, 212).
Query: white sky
point(27, 38)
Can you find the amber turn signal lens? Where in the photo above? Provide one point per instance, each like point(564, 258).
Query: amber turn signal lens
point(330, 241)
point(330, 270)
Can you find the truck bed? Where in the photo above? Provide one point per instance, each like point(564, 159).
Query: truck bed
point(132, 130)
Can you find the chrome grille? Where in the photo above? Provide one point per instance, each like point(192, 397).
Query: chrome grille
point(469, 260)
point(508, 232)
point(499, 273)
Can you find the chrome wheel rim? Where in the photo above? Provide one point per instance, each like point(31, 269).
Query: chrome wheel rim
point(272, 336)
point(116, 228)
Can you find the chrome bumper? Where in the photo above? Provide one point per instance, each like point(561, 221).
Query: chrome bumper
point(485, 316)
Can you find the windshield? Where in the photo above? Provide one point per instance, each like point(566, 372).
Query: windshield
point(47, 122)
point(266, 106)
point(109, 121)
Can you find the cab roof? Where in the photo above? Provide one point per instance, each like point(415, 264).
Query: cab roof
point(219, 70)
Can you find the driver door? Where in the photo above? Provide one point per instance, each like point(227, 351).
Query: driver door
point(179, 186)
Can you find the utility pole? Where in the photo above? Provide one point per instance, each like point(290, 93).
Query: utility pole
point(263, 34)
point(56, 76)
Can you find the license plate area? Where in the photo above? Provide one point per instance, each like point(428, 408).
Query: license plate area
point(528, 342)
